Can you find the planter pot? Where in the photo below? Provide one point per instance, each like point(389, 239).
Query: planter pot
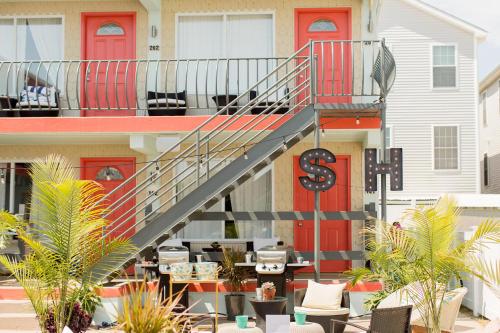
point(268, 294)
point(235, 304)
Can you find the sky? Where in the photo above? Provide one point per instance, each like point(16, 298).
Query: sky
point(484, 14)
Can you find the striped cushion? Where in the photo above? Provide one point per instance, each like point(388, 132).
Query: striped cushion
point(40, 94)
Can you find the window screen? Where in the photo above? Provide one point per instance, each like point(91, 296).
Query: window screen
point(445, 148)
point(444, 69)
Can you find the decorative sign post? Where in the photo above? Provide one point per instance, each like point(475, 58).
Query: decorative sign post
point(324, 179)
point(373, 169)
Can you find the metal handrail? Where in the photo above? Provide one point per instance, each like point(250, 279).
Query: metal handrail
point(299, 78)
point(204, 139)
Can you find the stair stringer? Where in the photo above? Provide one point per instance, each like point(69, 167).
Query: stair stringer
point(167, 223)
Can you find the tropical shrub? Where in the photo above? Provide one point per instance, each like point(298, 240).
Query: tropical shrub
point(66, 257)
point(143, 312)
point(427, 255)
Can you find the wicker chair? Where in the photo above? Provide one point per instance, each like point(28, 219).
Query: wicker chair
point(388, 320)
point(325, 319)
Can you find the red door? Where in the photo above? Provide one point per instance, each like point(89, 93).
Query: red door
point(335, 235)
point(333, 58)
point(110, 173)
point(108, 36)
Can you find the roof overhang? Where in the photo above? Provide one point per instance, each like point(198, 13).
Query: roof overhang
point(478, 32)
point(492, 77)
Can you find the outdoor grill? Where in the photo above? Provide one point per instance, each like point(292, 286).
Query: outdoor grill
point(168, 255)
point(272, 267)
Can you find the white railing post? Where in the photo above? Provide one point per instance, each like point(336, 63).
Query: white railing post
point(312, 71)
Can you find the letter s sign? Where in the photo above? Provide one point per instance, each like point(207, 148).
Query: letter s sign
point(324, 177)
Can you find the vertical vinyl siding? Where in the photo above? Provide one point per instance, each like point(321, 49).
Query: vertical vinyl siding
point(414, 106)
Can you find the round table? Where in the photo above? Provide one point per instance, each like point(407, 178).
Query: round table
point(306, 328)
point(262, 308)
point(232, 328)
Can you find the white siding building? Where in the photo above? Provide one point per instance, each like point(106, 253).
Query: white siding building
point(489, 111)
point(432, 108)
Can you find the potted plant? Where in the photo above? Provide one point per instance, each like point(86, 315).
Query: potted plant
point(235, 277)
point(268, 291)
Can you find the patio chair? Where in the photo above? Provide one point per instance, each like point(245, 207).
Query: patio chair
point(449, 310)
point(323, 316)
point(387, 320)
point(169, 104)
point(38, 101)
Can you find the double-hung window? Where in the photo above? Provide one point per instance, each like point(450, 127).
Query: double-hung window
point(444, 66)
point(446, 148)
point(31, 40)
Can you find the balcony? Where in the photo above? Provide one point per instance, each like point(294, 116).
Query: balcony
point(342, 72)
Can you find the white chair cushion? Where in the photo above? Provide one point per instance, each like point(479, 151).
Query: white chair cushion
point(165, 101)
point(34, 104)
point(323, 296)
point(321, 312)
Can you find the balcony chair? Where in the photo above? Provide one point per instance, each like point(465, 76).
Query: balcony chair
point(279, 108)
point(323, 311)
point(387, 320)
point(449, 311)
point(222, 100)
point(38, 101)
point(167, 104)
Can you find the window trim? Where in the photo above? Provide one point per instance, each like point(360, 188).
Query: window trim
point(391, 136)
point(11, 166)
point(224, 15)
point(458, 149)
point(16, 17)
point(431, 51)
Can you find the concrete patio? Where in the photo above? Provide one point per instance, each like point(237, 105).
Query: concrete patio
point(18, 316)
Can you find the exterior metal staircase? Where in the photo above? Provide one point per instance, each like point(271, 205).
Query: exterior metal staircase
point(226, 150)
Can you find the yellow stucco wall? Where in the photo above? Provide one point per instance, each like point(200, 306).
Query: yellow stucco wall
point(71, 13)
point(284, 13)
point(72, 152)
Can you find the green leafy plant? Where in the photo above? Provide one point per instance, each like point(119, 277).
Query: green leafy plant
point(235, 276)
point(143, 312)
point(427, 254)
point(64, 244)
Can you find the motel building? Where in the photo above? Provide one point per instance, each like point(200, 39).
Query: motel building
point(193, 116)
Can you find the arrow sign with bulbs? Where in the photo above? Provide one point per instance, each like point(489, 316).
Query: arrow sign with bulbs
point(324, 177)
point(373, 168)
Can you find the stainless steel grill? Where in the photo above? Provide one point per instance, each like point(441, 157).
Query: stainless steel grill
point(272, 260)
point(168, 255)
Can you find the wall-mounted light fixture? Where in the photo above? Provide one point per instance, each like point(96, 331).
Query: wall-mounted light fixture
point(154, 31)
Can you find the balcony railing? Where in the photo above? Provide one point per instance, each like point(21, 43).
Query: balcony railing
point(343, 71)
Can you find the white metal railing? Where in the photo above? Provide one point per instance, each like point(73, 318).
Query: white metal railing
point(174, 87)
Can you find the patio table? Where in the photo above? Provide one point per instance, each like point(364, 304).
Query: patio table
point(262, 308)
point(232, 328)
point(308, 327)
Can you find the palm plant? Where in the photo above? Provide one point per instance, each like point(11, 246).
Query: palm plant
point(427, 256)
point(64, 241)
point(142, 311)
